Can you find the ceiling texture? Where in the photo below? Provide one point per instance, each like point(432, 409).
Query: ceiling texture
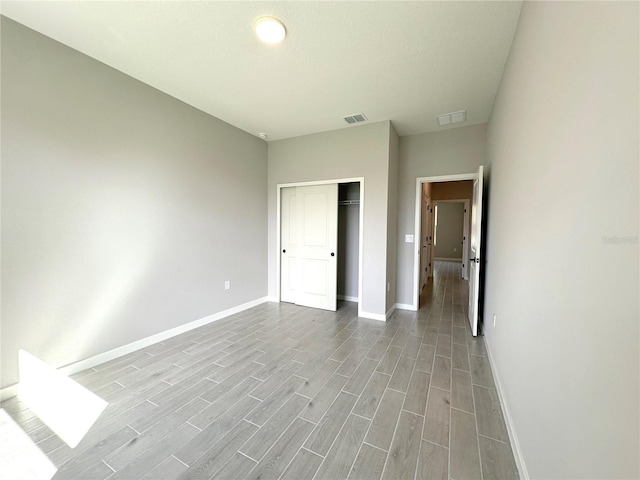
point(401, 61)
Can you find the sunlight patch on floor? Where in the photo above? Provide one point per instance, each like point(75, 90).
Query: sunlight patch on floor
point(65, 406)
point(20, 458)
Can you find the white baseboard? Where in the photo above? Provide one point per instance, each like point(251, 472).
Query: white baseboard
point(443, 259)
point(513, 437)
point(8, 392)
point(405, 306)
point(348, 298)
point(373, 316)
point(390, 312)
point(12, 390)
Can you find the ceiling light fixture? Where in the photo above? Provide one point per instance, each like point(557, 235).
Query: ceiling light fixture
point(270, 30)
point(263, 136)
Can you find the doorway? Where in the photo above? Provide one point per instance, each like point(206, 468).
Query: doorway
point(462, 194)
point(307, 274)
point(451, 222)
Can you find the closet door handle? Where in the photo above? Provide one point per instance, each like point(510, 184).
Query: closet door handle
point(284, 251)
point(333, 254)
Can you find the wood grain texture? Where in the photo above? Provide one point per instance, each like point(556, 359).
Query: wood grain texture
point(416, 399)
point(436, 427)
point(433, 463)
point(461, 393)
point(188, 407)
point(328, 428)
point(371, 396)
point(338, 461)
point(384, 422)
point(489, 414)
point(465, 460)
point(369, 463)
point(274, 463)
point(497, 460)
point(403, 453)
point(304, 465)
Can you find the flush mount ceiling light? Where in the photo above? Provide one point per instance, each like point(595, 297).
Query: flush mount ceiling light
point(270, 30)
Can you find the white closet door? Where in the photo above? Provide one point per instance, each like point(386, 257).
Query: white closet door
point(288, 245)
point(317, 255)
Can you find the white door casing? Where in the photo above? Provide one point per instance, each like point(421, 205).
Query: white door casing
point(425, 252)
point(418, 220)
point(474, 261)
point(288, 244)
point(465, 241)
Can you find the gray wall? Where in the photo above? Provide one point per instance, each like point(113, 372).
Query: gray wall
point(348, 240)
point(449, 230)
point(392, 218)
point(562, 272)
point(459, 150)
point(123, 209)
point(360, 151)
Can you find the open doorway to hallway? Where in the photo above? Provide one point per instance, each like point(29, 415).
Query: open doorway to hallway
point(463, 188)
point(445, 223)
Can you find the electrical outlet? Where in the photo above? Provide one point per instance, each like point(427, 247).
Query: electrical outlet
point(227, 285)
point(494, 319)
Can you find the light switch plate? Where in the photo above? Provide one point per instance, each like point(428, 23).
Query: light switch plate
point(408, 238)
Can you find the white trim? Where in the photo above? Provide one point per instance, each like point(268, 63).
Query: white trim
point(8, 392)
point(372, 316)
point(347, 298)
point(405, 306)
point(272, 299)
point(444, 259)
point(390, 312)
point(279, 188)
point(73, 368)
point(511, 429)
point(416, 231)
point(466, 239)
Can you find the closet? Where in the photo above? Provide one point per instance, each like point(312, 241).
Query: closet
point(319, 244)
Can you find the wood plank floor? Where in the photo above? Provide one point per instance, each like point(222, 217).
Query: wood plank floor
point(281, 391)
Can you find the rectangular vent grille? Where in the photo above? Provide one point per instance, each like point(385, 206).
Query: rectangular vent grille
point(453, 117)
point(355, 118)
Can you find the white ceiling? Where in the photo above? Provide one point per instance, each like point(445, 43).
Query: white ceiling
point(400, 61)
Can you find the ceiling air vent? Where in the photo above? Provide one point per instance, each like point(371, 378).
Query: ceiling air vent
point(355, 118)
point(453, 117)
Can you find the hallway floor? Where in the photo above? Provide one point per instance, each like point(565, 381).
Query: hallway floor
point(281, 391)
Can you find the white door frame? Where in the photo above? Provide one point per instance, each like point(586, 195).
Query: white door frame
point(418, 233)
point(279, 188)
